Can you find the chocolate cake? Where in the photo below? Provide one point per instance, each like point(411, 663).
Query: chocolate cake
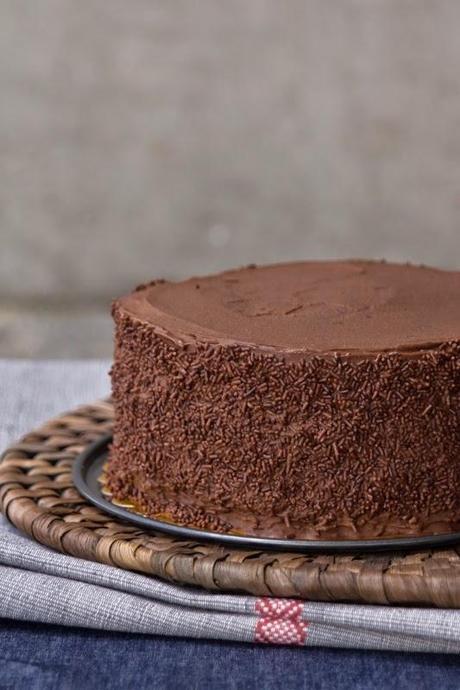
point(303, 400)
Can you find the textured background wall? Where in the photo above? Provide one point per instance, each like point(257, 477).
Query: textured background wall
point(150, 138)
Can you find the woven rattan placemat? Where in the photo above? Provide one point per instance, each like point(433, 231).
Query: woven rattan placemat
point(37, 495)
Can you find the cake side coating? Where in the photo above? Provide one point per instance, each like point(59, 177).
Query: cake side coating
point(233, 436)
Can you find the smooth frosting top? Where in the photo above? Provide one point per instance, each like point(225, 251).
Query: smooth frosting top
point(315, 307)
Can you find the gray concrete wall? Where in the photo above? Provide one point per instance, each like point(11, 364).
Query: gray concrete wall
point(150, 138)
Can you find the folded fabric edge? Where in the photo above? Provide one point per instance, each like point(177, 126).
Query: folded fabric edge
point(49, 599)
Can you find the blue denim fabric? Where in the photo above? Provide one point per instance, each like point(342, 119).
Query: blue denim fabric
point(38, 657)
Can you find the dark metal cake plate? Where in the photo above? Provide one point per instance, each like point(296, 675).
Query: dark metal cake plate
point(88, 468)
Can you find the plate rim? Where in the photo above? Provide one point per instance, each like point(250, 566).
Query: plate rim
point(92, 454)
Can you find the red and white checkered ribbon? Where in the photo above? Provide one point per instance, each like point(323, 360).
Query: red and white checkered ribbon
point(280, 621)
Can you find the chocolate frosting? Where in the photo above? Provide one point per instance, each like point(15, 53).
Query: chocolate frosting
point(303, 400)
point(354, 307)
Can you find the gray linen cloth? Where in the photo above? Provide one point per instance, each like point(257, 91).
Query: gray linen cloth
point(39, 584)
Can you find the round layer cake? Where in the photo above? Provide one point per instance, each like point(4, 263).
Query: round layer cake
point(303, 400)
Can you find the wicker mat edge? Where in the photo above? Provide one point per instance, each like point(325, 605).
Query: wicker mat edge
point(37, 495)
